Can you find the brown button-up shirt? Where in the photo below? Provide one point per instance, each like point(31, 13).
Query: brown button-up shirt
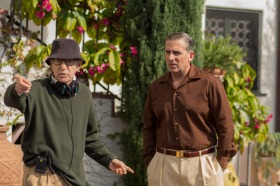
point(194, 116)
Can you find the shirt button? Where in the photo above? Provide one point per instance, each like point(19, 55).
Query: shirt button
point(176, 94)
point(177, 139)
point(175, 109)
point(176, 124)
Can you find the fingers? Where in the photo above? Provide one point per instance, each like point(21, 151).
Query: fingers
point(22, 85)
point(20, 78)
point(121, 171)
point(119, 167)
point(129, 169)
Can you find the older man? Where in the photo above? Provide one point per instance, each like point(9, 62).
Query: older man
point(60, 122)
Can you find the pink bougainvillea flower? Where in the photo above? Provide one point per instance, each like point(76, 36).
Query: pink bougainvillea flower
point(45, 3)
point(257, 126)
point(119, 11)
point(112, 47)
point(248, 79)
point(103, 65)
point(105, 21)
point(40, 14)
point(91, 71)
point(81, 71)
point(80, 29)
point(49, 7)
point(43, 6)
point(95, 27)
point(268, 118)
point(98, 69)
point(106, 66)
point(133, 50)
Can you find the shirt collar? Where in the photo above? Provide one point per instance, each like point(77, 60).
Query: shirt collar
point(194, 73)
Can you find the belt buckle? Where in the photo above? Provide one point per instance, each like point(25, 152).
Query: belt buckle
point(200, 153)
point(179, 154)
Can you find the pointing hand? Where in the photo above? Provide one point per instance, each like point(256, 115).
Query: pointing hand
point(22, 85)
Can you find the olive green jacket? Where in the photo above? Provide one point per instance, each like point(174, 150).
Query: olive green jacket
point(64, 126)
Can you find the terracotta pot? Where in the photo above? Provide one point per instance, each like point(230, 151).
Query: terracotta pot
point(217, 72)
point(11, 165)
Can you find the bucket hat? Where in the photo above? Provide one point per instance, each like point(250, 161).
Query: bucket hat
point(64, 49)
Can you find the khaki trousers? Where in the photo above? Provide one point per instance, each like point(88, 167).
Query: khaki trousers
point(33, 178)
point(166, 170)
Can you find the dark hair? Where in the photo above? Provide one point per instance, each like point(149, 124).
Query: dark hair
point(184, 36)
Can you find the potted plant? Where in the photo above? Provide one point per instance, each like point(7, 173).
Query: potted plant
point(249, 115)
point(267, 156)
point(11, 163)
point(219, 54)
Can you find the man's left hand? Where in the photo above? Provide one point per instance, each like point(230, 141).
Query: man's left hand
point(119, 167)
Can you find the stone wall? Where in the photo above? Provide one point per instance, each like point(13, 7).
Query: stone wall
point(97, 175)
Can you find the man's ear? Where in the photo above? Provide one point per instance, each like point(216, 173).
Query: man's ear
point(79, 66)
point(191, 55)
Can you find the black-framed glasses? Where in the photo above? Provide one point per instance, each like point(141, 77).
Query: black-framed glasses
point(67, 62)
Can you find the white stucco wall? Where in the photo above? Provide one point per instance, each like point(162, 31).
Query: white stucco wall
point(268, 51)
point(96, 174)
point(244, 163)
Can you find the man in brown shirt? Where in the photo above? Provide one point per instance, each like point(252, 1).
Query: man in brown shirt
point(188, 127)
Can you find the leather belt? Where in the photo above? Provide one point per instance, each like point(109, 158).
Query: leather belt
point(185, 153)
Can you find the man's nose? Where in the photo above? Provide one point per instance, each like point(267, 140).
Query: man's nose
point(171, 56)
point(63, 65)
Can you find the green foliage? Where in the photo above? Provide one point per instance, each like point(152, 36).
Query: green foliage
point(267, 154)
point(14, 55)
point(221, 53)
point(106, 52)
point(36, 56)
point(147, 25)
point(15, 120)
point(250, 117)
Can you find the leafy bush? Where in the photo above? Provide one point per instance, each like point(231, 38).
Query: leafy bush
point(250, 117)
point(221, 53)
point(269, 150)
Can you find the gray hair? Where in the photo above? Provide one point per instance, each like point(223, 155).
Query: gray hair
point(189, 42)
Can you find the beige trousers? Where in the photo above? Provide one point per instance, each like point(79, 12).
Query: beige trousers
point(166, 170)
point(33, 178)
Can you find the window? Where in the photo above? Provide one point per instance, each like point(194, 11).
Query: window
point(243, 27)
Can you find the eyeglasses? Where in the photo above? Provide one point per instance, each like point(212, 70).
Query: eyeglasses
point(67, 62)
